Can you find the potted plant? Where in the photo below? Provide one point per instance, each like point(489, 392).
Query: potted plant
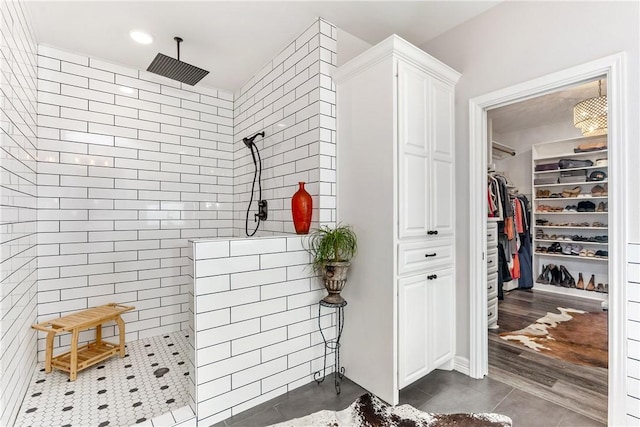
point(332, 250)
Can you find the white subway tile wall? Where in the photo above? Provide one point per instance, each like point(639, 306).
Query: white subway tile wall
point(18, 207)
point(292, 99)
point(127, 177)
point(633, 335)
point(256, 324)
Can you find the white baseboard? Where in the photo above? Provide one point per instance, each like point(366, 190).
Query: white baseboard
point(461, 364)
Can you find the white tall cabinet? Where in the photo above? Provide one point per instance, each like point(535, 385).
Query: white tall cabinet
point(395, 109)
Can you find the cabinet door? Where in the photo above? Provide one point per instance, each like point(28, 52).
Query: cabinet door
point(441, 172)
point(413, 360)
point(441, 308)
point(426, 322)
point(413, 151)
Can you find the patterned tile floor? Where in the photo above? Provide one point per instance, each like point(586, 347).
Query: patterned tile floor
point(116, 392)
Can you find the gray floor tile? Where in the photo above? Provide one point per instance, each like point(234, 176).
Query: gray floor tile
point(527, 410)
point(413, 396)
point(316, 397)
point(572, 419)
point(462, 398)
point(261, 419)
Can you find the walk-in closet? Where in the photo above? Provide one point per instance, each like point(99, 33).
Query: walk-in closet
point(547, 245)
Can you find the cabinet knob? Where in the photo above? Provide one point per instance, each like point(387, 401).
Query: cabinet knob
point(490, 261)
point(429, 255)
point(490, 314)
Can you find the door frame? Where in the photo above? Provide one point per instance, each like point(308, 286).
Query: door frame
point(614, 68)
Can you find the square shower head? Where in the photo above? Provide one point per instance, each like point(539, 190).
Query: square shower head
point(177, 70)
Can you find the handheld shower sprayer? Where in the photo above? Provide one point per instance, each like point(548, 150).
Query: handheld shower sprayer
point(249, 141)
point(262, 204)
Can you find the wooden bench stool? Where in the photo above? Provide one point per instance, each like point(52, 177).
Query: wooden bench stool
point(81, 358)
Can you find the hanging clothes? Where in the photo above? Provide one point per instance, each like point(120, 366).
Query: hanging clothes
point(524, 253)
point(514, 261)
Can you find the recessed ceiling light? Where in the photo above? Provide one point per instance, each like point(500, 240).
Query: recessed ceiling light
point(126, 90)
point(281, 125)
point(141, 36)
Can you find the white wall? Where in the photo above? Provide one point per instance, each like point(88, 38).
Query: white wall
point(518, 41)
point(125, 179)
point(18, 204)
point(518, 167)
point(291, 99)
point(256, 322)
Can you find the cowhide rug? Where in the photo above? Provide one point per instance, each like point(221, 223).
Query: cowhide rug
point(369, 411)
point(572, 335)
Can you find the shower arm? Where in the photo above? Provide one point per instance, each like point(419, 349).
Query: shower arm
point(178, 41)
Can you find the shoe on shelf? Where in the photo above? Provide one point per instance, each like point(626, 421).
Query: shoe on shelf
point(598, 191)
point(600, 207)
point(605, 289)
point(591, 286)
point(586, 206)
point(597, 176)
point(580, 284)
point(556, 276)
point(571, 192)
point(599, 287)
point(598, 224)
point(568, 281)
point(543, 194)
point(544, 276)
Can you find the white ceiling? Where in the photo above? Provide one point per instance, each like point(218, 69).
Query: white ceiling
point(231, 39)
point(547, 109)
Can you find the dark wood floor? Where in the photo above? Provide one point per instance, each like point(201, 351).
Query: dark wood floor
point(582, 389)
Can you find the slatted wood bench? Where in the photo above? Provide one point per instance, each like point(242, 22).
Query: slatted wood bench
point(88, 355)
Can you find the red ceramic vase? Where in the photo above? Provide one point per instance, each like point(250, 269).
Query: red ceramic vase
point(301, 208)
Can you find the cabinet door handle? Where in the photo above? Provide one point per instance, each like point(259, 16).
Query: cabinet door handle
point(490, 314)
point(490, 287)
point(429, 255)
point(432, 276)
point(432, 232)
point(490, 261)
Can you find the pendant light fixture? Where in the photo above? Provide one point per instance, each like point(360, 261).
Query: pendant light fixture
point(590, 115)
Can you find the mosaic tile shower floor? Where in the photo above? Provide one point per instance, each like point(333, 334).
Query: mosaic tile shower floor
point(116, 392)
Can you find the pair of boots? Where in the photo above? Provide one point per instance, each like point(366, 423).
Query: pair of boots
point(591, 286)
point(557, 276)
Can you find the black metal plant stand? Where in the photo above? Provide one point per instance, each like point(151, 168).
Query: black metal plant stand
point(333, 344)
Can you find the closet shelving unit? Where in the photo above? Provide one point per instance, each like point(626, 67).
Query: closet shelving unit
point(550, 152)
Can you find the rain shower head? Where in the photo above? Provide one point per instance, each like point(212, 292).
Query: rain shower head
point(175, 69)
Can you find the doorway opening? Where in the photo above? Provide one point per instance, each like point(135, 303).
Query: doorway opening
point(612, 69)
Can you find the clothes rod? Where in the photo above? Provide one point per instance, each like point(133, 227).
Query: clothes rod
point(503, 148)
